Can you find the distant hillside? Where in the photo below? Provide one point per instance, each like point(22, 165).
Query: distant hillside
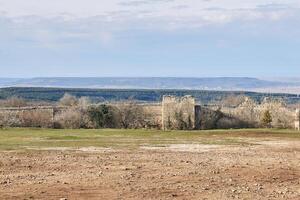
point(144, 95)
point(221, 83)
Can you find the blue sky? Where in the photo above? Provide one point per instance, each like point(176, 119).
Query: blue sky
point(183, 38)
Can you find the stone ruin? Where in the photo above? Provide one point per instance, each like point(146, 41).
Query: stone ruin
point(183, 113)
point(297, 120)
point(39, 116)
point(178, 112)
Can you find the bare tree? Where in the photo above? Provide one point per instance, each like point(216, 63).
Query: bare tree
point(132, 115)
point(233, 100)
point(68, 100)
point(84, 102)
point(13, 102)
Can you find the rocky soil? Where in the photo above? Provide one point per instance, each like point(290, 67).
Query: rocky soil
point(268, 170)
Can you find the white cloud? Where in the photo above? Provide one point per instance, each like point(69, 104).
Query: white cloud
point(209, 11)
point(52, 23)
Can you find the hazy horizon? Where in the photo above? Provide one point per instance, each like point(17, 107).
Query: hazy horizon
point(269, 78)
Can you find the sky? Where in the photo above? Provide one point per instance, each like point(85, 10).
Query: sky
point(149, 38)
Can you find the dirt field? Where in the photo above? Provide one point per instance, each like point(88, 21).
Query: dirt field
point(243, 164)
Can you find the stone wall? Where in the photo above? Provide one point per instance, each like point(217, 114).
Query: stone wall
point(41, 116)
point(297, 120)
point(175, 113)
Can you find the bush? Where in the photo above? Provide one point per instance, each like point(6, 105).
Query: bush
point(131, 116)
point(229, 122)
point(36, 118)
point(266, 119)
point(102, 116)
point(72, 119)
point(209, 118)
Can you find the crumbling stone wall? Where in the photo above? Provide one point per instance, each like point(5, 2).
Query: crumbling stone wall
point(178, 112)
point(174, 113)
point(28, 116)
point(297, 120)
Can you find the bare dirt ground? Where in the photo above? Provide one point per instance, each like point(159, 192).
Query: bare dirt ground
point(268, 170)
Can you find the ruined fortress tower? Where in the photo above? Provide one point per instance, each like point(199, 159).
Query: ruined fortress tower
point(178, 112)
point(297, 120)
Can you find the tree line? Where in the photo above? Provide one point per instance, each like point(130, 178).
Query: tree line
point(77, 113)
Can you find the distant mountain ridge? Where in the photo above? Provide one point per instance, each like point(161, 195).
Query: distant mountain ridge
point(213, 83)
